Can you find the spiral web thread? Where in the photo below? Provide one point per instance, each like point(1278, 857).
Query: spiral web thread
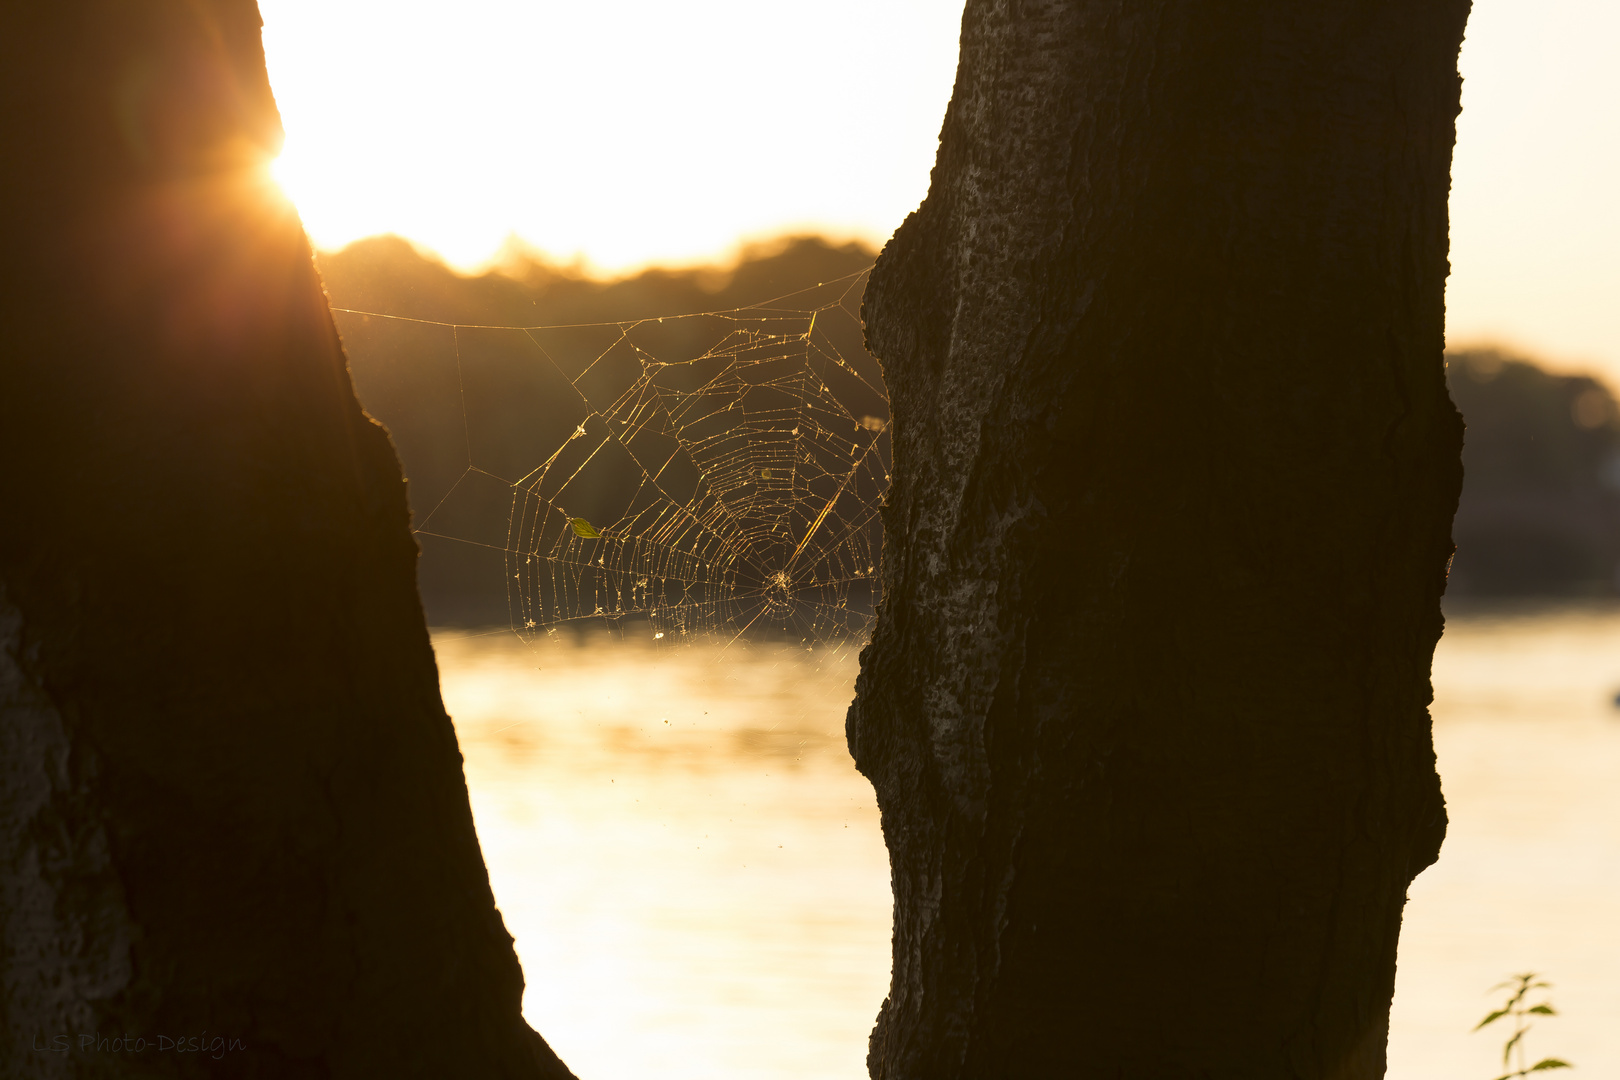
point(723, 478)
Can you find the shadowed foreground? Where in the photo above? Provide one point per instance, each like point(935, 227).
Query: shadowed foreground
point(231, 805)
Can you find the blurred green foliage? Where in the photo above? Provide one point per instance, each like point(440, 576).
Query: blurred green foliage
point(1518, 1008)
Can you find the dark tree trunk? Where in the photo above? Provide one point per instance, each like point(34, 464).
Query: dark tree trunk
point(231, 803)
point(1146, 708)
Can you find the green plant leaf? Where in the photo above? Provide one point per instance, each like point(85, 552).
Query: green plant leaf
point(1491, 1019)
point(1550, 1063)
point(1542, 1010)
point(1520, 984)
point(583, 528)
point(1508, 1049)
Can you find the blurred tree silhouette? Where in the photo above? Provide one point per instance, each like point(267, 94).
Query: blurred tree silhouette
point(1540, 512)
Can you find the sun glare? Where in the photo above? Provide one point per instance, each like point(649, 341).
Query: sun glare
point(624, 134)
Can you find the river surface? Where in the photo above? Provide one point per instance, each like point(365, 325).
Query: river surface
point(694, 875)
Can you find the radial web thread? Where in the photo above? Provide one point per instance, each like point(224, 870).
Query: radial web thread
point(703, 476)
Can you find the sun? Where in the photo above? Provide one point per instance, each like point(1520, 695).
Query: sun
point(624, 134)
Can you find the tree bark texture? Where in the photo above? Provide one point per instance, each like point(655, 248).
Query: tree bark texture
point(231, 803)
point(1175, 466)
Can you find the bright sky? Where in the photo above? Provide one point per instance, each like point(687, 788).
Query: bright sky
point(1535, 226)
point(630, 132)
point(641, 131)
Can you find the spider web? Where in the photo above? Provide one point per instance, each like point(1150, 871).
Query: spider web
point(695, 477)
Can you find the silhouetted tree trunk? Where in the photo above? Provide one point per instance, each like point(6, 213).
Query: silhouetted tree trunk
point(1146, 707)
point(231, 803)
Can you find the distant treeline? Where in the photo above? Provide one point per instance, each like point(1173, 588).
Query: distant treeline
point(495, 400)
point(1540, 513)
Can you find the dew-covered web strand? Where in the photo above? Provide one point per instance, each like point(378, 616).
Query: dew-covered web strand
point(722, 473)
point(648, 477)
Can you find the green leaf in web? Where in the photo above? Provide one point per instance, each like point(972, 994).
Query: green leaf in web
point(583, 528)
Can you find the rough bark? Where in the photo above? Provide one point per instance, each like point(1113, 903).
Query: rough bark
point(231, 803)
point(1175, 465)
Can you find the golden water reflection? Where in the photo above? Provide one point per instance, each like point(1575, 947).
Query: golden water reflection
point(1528, 740)
point(682, 848)
point(694, 874)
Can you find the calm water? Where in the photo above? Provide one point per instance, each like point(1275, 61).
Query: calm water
point(1529, 878)
point(694, 875)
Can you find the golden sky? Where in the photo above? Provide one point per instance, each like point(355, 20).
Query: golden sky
point(1535, 228)
point(628, 133)
point(639, 132)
